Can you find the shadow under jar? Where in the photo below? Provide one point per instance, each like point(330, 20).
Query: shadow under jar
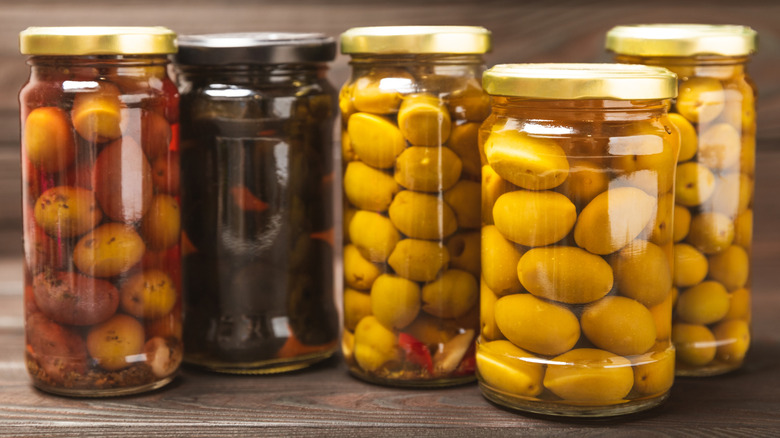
point(577, 197)
point(411, 111)
point(257, 194)
point(100, 210)
point(713, 214)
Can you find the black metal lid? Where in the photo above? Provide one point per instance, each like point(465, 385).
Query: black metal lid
point(255, 48)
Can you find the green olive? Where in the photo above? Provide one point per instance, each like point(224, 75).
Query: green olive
point(368, 188)
point(374, 344)
point(719, 147)
point(619, 325)
point(470, 102)
point(418, 260)
point(108, 250)
point(537, 325)
point(661, 228)
point(493, 186)
point(373, 234)
point(565, 273)
point(464, 249)
point(645, 161)
point(589, 376)
point(689, 141)
point(747, 159)
point(533, 163)
point(464, 198)
point(643, 272)
point(700, 99)
point(67, 211)
point(730, 267)
point(654, 371)
point(586, 180)
point(534, 218)
point(509, 369)
point(743, 229)
point(346, 106)
point(739, 305)
point(359, 273)
point(487, 314)
point(423, 120)
point(682, 223)
point(431, 330)
point(357, 305)
point(694, 185)
point(395, 301)
point(381, 91)
point(375, 140)
point(662, 315)
point(613, 219)
point(690, 265)
point(422, 216)
point(711, 233)
point(451, 295)
point(427, 169)
point(695, 344)
point(733, 339)
point(732, 195)
point(499, 262)
point(463, 141)
point(48, 140)
point(705, 303)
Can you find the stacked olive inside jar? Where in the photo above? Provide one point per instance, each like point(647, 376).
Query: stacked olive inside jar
point(410, 118)
point(713, 215)
point(577, 197)
point(100, 209)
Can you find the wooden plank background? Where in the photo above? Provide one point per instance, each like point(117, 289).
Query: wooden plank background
point(523, 31)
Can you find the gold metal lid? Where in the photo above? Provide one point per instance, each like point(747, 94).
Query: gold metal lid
point(416, 39)
point(682, 40)
point(103, 40)
point(580, 81)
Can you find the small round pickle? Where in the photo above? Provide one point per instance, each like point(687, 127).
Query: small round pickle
point(695, 344)
point(122, 179)
point(589, 376)
point(654, 371)
point(423, 120)
point(368, 188)
point(97, 115)
point(534, 218)
point(642, 272)
point(499, 262)
point(48, 139)
point(705, 303)
point(739, 305)
point(487, 314)
point(719, 147)
point(418, 260)
point(161, 226)
point(502, 366)
point(681, 223)
point(374, 344)
point(711, 232)
point(520, 316)
point(357, 305)
point(493, 186)
point(74, 299)
point(116, 342)
point(359, 273)
point(451, 295)
point(565, 274)
point(732, 195)
point(586, 180)
point(743, 229)
point(733, 339)
point(427, 169)
point(463, 197)
point(613, 219)
point(730, 267)
point(373, 234)
point(700, 99)
point(690, 265)
point(463, 141)
point(109, 250)
point(148, 294)
point(529, 162)
point(67, 211)
point(375, 140)
point(395, 301)
point(381, 91)
point(422, 216)
point(694, 185)
point(620, 325)
point(689, 140)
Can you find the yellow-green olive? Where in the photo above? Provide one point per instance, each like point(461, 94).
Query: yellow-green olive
point(381, 91)
point(345, 103)
point(463, 141)
point(487, 313)
point(464, 198)
point(662, 316)
point(359, 273)
point(451, 295)
point(108, 250)
point(357, 305)
point(689, 141)
point(423, 120)
point(695, 344)
point(374, 344)
point(395, 301)
point(739, 305)
point(422, 216)
point(747, 159)
point(565, 273)
point(589, 376)
point(620, 325)
point(427, 169)
point(690, 265)
point(694, 185)
point(493, 186)
point(509, 369)
point(719, 147)
point(537, 325)
point(700, 99)
point(418, 260)
point(534, 218)
point(464, 249)
point(654, 371)
point(645, 160)
point(368, 188)
point(375, 139)
point(533, 163)
point(660, 229)
point(586, 180)
point(682, 223)
point(67, 211)
point(732, 195)
point(730, 267)
point(373, 234)
point(711, 233)
point(613, 219)
point(705, 303)
point(499, 262)
point(743, 229)
point(733, 339)
point(643, 272)
point(469, 102)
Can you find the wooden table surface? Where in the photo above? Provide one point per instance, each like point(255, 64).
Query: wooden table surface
point(325, 400)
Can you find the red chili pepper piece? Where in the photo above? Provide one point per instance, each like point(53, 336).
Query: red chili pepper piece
point(245, 200)
point(416, 352)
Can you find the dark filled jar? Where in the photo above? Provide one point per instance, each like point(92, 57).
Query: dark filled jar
point(257, 192)
point(99, 119)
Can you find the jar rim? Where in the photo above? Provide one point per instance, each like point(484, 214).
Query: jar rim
point(97, 40)
point(682, 40)
point(580, 81)
point(255, 48)
point(416, 39)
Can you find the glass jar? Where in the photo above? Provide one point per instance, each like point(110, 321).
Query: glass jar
point(577, 196)
point(713, 215)
point(410, 115)
point(257, 193)
point(99, 119)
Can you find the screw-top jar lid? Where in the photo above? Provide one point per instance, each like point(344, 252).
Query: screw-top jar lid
point(97, 40)
point(255, 48)
point(416, 39)
point(682, 40)
point(580, 81)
